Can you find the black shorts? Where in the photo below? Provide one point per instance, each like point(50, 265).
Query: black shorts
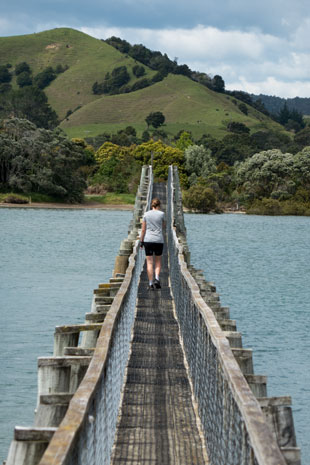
point(153, 248)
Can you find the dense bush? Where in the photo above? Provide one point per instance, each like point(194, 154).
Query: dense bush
point(155, 119)
point(118, 170)
point(113, 82)
point(138, 70)
point(24, 79)
point(5, 75)
point(38, 160)
point(198, 163)
point(200, 198)
point(30, 103)
point(22, 67)
point(44, 78)
point(163, 156)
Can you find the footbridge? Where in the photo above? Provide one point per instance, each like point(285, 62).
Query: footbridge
point(154, 377)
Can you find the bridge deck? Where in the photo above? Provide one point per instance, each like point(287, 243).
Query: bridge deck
point(157, 424)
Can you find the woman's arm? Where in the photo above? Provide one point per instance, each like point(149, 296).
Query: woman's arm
point(143, 231)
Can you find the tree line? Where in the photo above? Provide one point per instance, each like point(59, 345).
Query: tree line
point(29, 100)
point(265, 179)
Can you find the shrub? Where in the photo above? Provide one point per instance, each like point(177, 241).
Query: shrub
point(17, 199)
point(138, 70)
point(200, 198)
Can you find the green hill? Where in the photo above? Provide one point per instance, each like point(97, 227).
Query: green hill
point(88, 59)
point(185, 103)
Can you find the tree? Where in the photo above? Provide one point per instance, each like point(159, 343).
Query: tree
point(31, 103)
point(141, 84)
point(122, 45)
point(112, 82)
point(39, 160)
point(238, 128)
point(22, 67)
point(200, 198)
point(163, 156)
point(5, 75)
point(44, 78)
point(218, 84)
point(155, 119)
point(243, 108)
point(24, 79)
point(138, 70)
point(284, 115)
point(184, 140)
point(198, 163)
point(118, 169)
point(265, 174)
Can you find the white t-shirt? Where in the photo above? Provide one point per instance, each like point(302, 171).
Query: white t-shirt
point(154, 226)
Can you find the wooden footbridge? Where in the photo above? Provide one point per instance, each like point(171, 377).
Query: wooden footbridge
point(154, 376)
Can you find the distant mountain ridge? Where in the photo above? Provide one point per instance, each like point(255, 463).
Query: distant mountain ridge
point(275, 104)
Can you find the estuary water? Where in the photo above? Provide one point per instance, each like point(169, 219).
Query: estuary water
point(261, 268)
point(50, 261)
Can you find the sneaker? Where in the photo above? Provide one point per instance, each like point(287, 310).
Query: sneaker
point(157, 284)
point(151, 287)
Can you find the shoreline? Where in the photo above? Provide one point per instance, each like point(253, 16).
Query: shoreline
point(90, 206)
point(82, 206)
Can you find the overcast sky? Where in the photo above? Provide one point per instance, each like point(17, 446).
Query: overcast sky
point(256, 46)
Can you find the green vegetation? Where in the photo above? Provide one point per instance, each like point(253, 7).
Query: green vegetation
point(69, 62)
point(184, 103)
point(38, 160)
point(124, 106)
point(111, 198)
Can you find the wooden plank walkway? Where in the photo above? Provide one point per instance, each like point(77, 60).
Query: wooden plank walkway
point(157, 423)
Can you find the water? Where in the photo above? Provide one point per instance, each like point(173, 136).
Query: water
point(50, 262)
point(261, 267)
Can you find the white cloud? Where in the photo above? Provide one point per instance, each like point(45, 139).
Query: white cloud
point(272, 86)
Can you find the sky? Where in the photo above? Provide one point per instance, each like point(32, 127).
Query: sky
point(256, 46)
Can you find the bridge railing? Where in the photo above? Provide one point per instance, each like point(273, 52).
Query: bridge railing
point(234, 425)
point(86, 434)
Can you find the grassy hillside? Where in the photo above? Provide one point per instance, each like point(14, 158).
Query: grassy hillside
point(88, 59)
point(185, 103)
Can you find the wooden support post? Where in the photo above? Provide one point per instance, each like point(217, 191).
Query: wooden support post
point(234, 338)
point(51, 410)
point(257, 384)
point(68, 336)
point(244, 358)
point(279, 415)
point(60, 374)
point(29, 445)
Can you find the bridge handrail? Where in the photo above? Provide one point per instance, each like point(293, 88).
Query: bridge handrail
point(234, 424)
point(86, 434)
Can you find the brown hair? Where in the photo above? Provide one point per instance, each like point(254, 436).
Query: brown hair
point(155, 203)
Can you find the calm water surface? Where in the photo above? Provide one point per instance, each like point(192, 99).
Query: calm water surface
point(261, 267)
point(50, 261)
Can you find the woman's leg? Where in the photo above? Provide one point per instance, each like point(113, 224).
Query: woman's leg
point(157, 265)
point(149, 267)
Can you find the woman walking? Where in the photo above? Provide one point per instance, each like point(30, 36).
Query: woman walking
point(153, 241)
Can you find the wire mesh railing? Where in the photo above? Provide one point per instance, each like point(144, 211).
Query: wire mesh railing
point(86, 434)
point(235, 428)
